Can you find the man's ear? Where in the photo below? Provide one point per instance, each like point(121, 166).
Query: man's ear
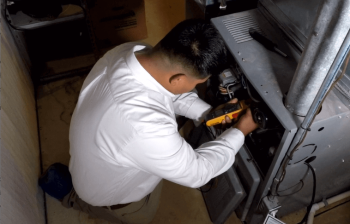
point(176, 79)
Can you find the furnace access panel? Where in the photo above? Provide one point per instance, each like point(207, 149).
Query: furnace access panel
point(260, 78)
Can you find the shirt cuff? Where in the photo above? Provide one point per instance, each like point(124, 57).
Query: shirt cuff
point(198, 110)
point(234, 137)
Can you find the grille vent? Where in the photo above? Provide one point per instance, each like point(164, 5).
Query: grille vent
point(239, 27)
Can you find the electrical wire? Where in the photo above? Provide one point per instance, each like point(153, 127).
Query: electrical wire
point(290, 156)
point(228, 90)
point(238, 70)
point(251, 96)
point(313, 193)
point(223, 93)
point(285, 195)
point(246, 86)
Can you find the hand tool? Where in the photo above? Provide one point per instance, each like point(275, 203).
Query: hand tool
point(230, 110)
point(268, 44)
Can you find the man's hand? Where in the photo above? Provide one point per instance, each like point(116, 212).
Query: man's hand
point(227, 120)
point(246, 123)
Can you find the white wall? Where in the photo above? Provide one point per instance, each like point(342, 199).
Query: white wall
point(21, 198)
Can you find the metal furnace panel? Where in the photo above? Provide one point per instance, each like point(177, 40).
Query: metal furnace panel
point(294, 17)
point(250, 180)
point(225, 193)
point(269, 73)
point(329, 142)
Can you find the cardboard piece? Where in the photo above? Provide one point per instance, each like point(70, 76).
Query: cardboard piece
point(119, 21)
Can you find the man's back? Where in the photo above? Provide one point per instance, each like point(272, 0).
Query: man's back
point(124, 138)
point(114, 105)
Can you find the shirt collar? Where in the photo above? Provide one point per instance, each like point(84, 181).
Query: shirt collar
point(141, 74)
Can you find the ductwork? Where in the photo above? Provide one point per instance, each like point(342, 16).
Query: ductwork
point(329, 31)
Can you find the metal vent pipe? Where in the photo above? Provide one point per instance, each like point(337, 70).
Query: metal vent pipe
point(331, 25)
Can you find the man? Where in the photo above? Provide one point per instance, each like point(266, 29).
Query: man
point(123, 133)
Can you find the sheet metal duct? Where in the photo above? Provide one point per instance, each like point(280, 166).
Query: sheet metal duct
point(329, 30)
point(294, 17)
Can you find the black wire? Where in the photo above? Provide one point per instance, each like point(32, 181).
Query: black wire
point(302, 140)
point(290, 156)
point(284, 195)
point(332, 208)
point(246, 86)
point(313, 194)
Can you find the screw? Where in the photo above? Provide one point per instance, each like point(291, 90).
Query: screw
point(239, 53)
point(339, 116)
point(343, 160)
point(243, 59)
point(329, 146)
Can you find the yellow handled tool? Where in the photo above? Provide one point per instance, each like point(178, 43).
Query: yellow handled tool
point(230, 110)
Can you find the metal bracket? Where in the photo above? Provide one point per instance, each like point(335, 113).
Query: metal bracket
point(272, 220)
point(269, 208)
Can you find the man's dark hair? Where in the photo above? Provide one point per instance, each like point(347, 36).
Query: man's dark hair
point(196, 45)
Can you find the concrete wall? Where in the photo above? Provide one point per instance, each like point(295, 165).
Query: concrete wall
point(21, 199)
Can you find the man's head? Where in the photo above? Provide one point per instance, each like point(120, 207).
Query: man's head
point(195, 45)
point(190, 53)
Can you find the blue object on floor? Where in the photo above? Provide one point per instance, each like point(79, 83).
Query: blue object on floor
point(56, 181)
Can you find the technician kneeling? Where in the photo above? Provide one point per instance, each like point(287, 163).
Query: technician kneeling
point(123, 133)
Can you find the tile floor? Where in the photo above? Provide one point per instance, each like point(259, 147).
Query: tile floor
point(56, 102)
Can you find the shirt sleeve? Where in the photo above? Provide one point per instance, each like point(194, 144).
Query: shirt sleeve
point(191, 106)
point(172, 158)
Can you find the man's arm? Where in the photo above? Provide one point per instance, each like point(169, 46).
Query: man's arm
point(191, 106)
point(172, 158)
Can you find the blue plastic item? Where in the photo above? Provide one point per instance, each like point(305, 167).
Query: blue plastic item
point(56, 181)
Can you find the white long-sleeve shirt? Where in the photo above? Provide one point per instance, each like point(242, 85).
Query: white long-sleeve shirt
point(124, 138)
